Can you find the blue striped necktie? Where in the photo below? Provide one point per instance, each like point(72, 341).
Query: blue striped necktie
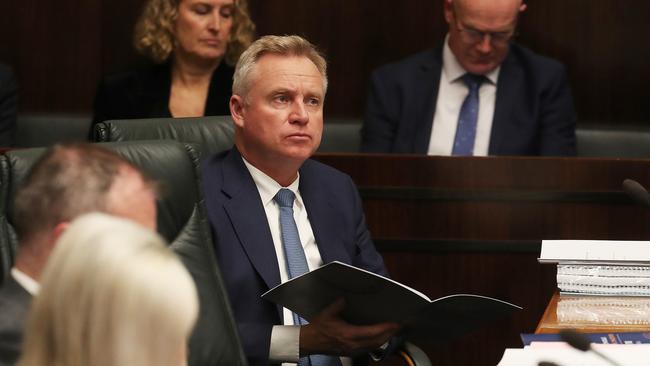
point(468, 117)
point(296, 264)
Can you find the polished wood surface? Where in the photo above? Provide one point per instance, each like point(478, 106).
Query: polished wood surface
point(549, 322)
point(450, 225)
point(508, 202)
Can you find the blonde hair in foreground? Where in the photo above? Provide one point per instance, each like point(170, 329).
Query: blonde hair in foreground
point(277, 45)
point(112, 295)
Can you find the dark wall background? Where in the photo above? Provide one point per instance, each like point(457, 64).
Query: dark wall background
point(60, 49)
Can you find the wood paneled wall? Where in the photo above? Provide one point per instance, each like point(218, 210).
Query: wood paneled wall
point(61, 48)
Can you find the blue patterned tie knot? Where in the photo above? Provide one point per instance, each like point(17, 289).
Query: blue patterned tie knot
point(468, 117)
point(473, 81)
point(285, 198)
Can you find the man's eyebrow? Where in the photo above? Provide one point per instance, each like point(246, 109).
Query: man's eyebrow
point(282, 89)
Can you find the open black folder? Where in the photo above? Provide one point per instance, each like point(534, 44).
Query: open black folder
point(370, 298)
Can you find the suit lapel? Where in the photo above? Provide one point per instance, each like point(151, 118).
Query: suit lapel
point(425, 95)
point(323, 217)
point(507, 94)
point(248, 218)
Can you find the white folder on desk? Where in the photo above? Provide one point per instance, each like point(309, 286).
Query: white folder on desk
point(595, 251)
point(562, 354)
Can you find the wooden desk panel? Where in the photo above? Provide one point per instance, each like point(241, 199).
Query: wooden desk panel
point(451, 225)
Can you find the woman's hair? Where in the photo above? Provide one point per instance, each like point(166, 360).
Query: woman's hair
point(154, 31)
point(112, 294)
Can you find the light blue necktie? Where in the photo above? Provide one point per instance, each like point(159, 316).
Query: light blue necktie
point(468, 117)
point(296, 264)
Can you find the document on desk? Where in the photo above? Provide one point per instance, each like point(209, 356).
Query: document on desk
point(370, 298)
point(598, 338)
point(563, 354)
point(595, 251)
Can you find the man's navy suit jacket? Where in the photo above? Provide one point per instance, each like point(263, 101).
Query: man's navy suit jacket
point(245, 249)
point(533, 115)
point(14, 306)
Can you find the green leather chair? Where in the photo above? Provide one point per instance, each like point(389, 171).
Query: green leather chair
point(215, 134)
point(38, 130)
point(209, 134)
point(604, 141)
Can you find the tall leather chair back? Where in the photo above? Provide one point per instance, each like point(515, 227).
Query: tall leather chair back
point(182, 221)
point(6, 249)
point(40, 130)
point(610, 142)
point(209, 134)
point(215, 134)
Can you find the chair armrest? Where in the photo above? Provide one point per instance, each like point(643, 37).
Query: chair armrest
point(413, 355)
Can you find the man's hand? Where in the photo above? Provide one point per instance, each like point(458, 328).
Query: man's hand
point(328, 334)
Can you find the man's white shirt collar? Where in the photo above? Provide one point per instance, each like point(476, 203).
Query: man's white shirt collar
point(29, 284)
point(268, 187)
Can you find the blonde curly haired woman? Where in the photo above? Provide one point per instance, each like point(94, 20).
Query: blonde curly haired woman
point(194, 45)
point(112, 294)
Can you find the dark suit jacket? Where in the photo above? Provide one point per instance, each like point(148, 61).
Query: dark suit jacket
point(8, 106)
point(534, 113)
point(144, 93)
point(244, 246)
point(14, 306)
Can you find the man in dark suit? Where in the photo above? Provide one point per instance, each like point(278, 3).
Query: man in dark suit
point(67, 181)
point(477, 94)
point(277, 107)
point(8, 106)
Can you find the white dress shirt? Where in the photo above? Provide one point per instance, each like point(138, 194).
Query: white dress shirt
point(285, 338)
point(29, 284)
point(452, 91)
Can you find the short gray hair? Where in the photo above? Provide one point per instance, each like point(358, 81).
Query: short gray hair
point(278, 45)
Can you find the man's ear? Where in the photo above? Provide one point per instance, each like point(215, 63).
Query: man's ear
point(522, 7)
point(237, 106)
point(448, 10)
point(58, 230)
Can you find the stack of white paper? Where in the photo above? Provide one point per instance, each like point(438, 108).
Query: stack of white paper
point(605, 268)
point(599, 310)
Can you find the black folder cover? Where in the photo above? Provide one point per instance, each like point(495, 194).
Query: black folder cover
point(370, 298)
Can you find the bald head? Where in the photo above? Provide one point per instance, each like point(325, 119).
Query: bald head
point(133, 198)
point(480, 31)
point(490, 11)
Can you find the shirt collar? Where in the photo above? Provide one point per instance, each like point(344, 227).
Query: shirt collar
point(29, 284)
point(268, 187)
point(454, 71)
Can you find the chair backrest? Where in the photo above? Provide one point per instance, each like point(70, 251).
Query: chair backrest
point(209, 134)
point(37, 130)
point(608, 142)
point(182, 221)
point(341, 135)
point(215, 134)
point(7, 249)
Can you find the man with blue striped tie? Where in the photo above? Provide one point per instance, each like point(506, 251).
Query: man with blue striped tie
point(276, 214)
point(478, 93)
